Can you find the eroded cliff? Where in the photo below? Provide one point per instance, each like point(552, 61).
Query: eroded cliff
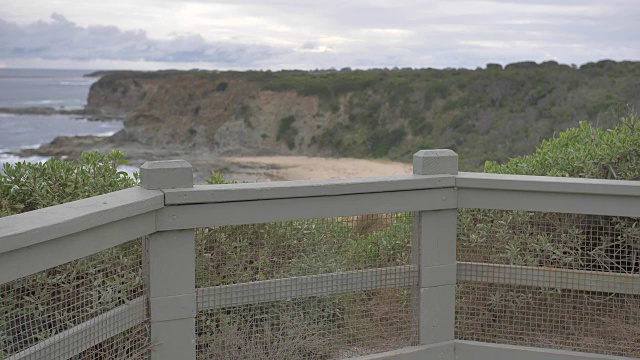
point(484, 114)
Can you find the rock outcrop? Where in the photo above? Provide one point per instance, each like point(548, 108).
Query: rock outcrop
point(484, 114)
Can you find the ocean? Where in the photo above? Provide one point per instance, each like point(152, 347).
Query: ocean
point(59, 89)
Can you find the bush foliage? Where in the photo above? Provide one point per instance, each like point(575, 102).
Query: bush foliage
point(31, 186)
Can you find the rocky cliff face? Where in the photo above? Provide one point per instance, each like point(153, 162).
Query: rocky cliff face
point(229, 115)
point(486, 114)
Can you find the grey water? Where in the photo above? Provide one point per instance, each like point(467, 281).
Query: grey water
point(59, 89)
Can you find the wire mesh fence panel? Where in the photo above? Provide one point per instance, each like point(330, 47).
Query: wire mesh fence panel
point(563, 281)
point(90, 308)
point(314, 289)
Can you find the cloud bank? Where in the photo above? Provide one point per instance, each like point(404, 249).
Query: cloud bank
point(61, 39)
point(253, 34)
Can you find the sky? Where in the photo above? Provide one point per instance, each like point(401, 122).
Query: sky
point(300, 34)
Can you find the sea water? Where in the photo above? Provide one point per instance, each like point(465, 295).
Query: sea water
point(59, 89)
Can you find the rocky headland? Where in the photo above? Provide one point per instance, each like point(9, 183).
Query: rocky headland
point(484, 114)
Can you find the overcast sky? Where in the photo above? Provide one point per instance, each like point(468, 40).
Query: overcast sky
point(277, 34)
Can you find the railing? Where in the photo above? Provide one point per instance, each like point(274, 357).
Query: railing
point(328, 269)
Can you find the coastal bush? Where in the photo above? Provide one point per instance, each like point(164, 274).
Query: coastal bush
point(67, 294)
point(287, 132)
point(555, 240)
point(29, 186)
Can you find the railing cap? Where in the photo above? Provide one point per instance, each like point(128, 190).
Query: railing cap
point(435, 162)
point(168, 174)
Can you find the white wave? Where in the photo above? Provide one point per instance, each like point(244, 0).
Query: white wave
point(105, 134)
point(44, 102)
point(75, 83)
point(12, 159)
point(33, 146)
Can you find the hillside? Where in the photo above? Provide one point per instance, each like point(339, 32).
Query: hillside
point(483, 114)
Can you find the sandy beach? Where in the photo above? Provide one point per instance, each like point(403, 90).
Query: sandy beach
point(277, 168)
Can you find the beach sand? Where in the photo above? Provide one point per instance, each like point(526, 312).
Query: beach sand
point(277, 168)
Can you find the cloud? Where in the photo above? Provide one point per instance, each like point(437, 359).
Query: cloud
point(61, 39)
point(254, 34)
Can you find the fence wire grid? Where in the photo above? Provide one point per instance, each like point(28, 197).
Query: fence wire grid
point(91, 308)
point(315, 289)
point(563, 281)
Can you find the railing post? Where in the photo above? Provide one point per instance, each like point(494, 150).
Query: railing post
point(434, 250)
point(171, 271)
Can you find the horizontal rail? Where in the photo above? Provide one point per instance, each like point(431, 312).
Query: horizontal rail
point(200, 194)
point(41, 256)
point(465, 180)
point(72, 342)
point(572, 203)
point(305, 286)
point(549, 277)
point(262, 211)
point(443, 350)
point(472, 350)
point(548, 194)
point(38, 226)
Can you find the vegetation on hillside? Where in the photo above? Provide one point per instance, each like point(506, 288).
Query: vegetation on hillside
point(493, 113)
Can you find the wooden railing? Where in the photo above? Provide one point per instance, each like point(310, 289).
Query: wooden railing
point(167, 207)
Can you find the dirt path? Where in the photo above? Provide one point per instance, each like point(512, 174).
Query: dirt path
point(313, 168)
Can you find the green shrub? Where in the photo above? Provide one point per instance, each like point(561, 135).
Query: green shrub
point(30, 186)
point(100, 281)
point(221, 87)
point(287, 132)
point(585, 151)
point(555, 240)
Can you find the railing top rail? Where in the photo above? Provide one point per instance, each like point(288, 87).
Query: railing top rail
point(467, 180)
point(30, 228)
point(201, 194)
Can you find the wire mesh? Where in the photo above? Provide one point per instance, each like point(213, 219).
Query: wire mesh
point(90, 308)
point(314, 289)
point(563, 281)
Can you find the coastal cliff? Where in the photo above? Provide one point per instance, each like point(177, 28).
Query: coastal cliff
point(491, 113)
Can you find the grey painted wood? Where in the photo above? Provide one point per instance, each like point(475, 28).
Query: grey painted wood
point(437, 314)
point(171, 254)
point(44, 255)
point(167, 174)
point(169, 340)
point(72, 342)
point(200, 194)
point(434, 162)
point(306, 286)
point(171, 257)
point(614, 205)
point(438, 275)
point(425, 352)
point(261, 211)
point(34, 227)
point(549, 277)
point(173, 307)
point(438, 234)
point(434, 242)
point(466, 180)
point(470, 350)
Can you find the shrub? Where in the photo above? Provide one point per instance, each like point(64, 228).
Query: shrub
point(584, 151)
point(221, 87)
point(555, 240)
point(30, 186)
point(287, 132)
point(66, 295)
